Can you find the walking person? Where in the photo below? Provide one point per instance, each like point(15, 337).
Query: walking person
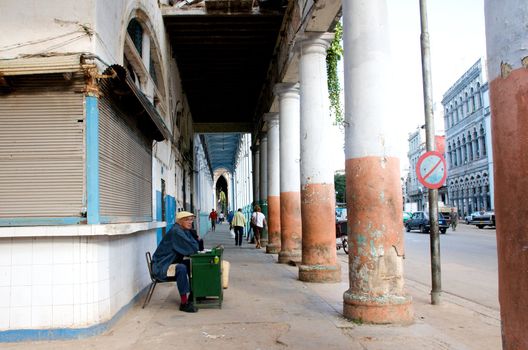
point(258, 221)
point(230, 217)
point(213, 216)
point(239, 222)
point(454, 219)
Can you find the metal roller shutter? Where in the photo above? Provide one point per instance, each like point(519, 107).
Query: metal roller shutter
point(125, 166)
point(42, 147)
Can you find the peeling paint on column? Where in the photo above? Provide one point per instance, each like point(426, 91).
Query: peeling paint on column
point(291, 226)
point(509, 109)
point(524, 62)
point(318, 237)
point(274, 225)
point(506, 69)
point(376, 291)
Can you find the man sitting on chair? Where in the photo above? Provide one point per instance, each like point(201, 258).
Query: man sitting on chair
point(181, 241)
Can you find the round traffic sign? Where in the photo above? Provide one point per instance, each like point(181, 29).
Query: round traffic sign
point(431, 169)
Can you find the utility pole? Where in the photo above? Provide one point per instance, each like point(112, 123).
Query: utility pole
point(430, 146)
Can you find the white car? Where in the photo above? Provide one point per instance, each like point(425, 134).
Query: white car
point(483, 218)
point(469, 218)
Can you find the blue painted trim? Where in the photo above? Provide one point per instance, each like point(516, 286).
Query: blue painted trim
point(159, 231)
point(170, 211)
point(92, 160)
point(204, 224)
point(20, 335)
point(123, 219)
point(41, 221)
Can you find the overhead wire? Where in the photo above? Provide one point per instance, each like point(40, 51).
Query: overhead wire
point(39, 41)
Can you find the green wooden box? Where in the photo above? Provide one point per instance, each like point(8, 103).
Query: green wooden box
point(206, 278)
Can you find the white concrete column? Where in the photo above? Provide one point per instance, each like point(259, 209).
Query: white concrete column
point(256, 173)
point(374, 198)
point(273, 246)
point(319, 260)
point(264, 184)
point(290, 182)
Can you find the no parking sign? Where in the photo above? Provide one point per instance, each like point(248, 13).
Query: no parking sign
point(431, 169)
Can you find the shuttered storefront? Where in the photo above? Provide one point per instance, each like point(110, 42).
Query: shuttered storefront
point(42, 147)
point(125, 165)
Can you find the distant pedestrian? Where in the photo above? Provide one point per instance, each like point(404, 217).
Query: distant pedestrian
point(454, 219)
point(258, 221)
point(239, 222)
point(230, 216)
point(213, 216)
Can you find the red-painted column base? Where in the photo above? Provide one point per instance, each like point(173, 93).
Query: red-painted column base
point(378, 310)
point(375, 235)
point(319, 257)
point(509, 119)
point(291, 227)
point(274, 243)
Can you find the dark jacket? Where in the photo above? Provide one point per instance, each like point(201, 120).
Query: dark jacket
point(174, 246)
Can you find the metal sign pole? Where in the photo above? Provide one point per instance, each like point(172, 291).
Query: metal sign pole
point(430, 146)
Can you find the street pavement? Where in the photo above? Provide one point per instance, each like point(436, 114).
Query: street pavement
point(468, 261)
point(267, 307)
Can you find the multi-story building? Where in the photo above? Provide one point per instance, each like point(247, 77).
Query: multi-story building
point(468, 142)
point(414, 190)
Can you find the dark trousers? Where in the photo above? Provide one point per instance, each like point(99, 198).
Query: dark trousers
point(239, 232)
point(183, 271)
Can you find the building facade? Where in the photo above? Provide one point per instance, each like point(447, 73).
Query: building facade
point(415, 192)
point(97, 154)
point(468, 142)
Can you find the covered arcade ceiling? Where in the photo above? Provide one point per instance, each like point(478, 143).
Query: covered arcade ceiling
point(230, 53)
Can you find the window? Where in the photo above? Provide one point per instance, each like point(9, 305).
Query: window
point(479, 97)
point(472, 98)
point(136, 34)
point(482, 135)
point(144, 66)
point(470, 147)
point(477, 147)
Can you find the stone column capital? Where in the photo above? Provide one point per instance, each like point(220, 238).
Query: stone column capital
point(315, 42)
point(271, 118)
point(286, 88)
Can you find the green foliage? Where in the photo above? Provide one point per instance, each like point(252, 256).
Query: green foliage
point(333, 55)
point(340, 187)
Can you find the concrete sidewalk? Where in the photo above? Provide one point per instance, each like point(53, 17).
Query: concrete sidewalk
point(267, 307)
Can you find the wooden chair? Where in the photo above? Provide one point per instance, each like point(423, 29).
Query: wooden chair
point(154, 280)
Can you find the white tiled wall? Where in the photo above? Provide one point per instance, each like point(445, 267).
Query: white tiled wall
point(70, 282)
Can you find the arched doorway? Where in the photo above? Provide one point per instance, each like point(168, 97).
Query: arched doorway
point(221, 195)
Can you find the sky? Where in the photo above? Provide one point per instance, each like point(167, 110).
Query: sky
point(457, 41)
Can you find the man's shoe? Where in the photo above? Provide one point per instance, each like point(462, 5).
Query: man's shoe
point(188, 307)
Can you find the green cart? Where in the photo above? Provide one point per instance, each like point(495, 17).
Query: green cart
point(206, 278)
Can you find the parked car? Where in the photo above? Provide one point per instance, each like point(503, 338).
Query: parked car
point(469, 218)
point(483, 218)
point(420, 221)
point(406, 216)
